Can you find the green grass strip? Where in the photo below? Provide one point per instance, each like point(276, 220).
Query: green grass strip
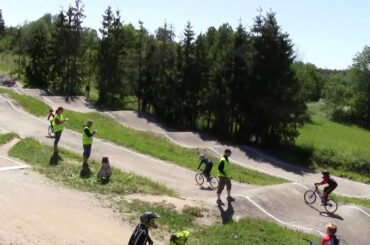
point(250, 231)
point(5, 138)
point(67, 172)
point(143, 142)
point(351, 200)
point(246, 231)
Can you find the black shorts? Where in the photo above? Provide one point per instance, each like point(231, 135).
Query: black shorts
point(57, 136)
point(87, 151)
point(221, 185)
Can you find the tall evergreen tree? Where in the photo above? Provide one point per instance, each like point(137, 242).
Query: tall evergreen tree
point(110, 72)
point(37, 70)
point(278, 106)
point(2, 23)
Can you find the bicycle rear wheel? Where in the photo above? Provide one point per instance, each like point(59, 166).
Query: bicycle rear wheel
point(50, 131)
point(310, 197)
point(199, 179)
point(214, 182)
point(331, 206)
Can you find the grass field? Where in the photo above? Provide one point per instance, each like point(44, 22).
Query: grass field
point(144, 142)
point(67, 171)
point(5, 138)
point(324, 144)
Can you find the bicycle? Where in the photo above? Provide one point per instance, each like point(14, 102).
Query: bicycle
point(310, 197)
point(199, 178)
point(50, 130)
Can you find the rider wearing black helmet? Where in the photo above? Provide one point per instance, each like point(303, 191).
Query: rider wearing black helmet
point(208, 166)
point(332, 184)
point(140, 236)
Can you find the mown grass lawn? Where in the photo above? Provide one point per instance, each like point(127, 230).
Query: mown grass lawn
point(144, 142)
point(5, 138)
point(67, 171)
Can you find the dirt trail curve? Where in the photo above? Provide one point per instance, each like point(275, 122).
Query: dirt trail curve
point(34, 211)
point(283, 203)
point(242, 155)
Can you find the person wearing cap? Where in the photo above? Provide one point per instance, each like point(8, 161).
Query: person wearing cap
point(332, 184)
point(224, 177)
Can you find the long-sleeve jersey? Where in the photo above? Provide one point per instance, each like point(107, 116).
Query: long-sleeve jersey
point(140, 236)
point(328, 180)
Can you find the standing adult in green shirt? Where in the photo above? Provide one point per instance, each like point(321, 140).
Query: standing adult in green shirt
point(87, 140)
point(224, 176)
point(58, 126)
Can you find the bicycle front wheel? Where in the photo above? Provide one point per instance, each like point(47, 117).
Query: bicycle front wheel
point(331, 206)
point(199, 179)
point(214, 182)
point(310, 197)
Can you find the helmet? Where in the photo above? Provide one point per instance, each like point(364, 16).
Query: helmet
point(148, 219)
point(228, 151)
point(325, 173)
point(202, 156)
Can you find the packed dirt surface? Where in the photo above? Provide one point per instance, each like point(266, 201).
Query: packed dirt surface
point(282, 203)
point(34, 211)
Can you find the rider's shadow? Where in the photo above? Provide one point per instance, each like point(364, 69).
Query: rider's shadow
point(226, 215)
point(334, 216)
point(208, 188)
point(326, 214)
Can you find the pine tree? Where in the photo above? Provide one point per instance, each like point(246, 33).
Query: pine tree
point(2, 23)
point(278, 106)
point(37, 70)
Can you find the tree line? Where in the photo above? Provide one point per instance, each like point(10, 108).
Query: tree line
point(240, 84)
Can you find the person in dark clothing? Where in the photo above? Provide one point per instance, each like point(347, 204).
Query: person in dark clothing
point(332, 184)
point(208, 166)
point(140, 236)
point(224, 176)
point(87, 91)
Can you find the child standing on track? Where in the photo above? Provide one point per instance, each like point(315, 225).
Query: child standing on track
point(50, 118)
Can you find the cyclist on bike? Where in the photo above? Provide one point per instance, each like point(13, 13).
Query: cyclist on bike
point(50, 119)
point(140, 236)
point(208, 166)
point(330, 238)
point(332, 184)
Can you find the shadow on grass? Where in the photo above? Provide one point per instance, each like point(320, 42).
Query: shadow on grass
point(54, 159)
point(226, 215)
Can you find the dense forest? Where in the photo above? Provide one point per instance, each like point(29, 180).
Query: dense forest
point(242, 84)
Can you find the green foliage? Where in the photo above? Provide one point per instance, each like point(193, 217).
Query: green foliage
point(279, 108)
point(2, 24)
point(37, 70)
point(310, 79)
point(5, 138)
point(67, 171)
